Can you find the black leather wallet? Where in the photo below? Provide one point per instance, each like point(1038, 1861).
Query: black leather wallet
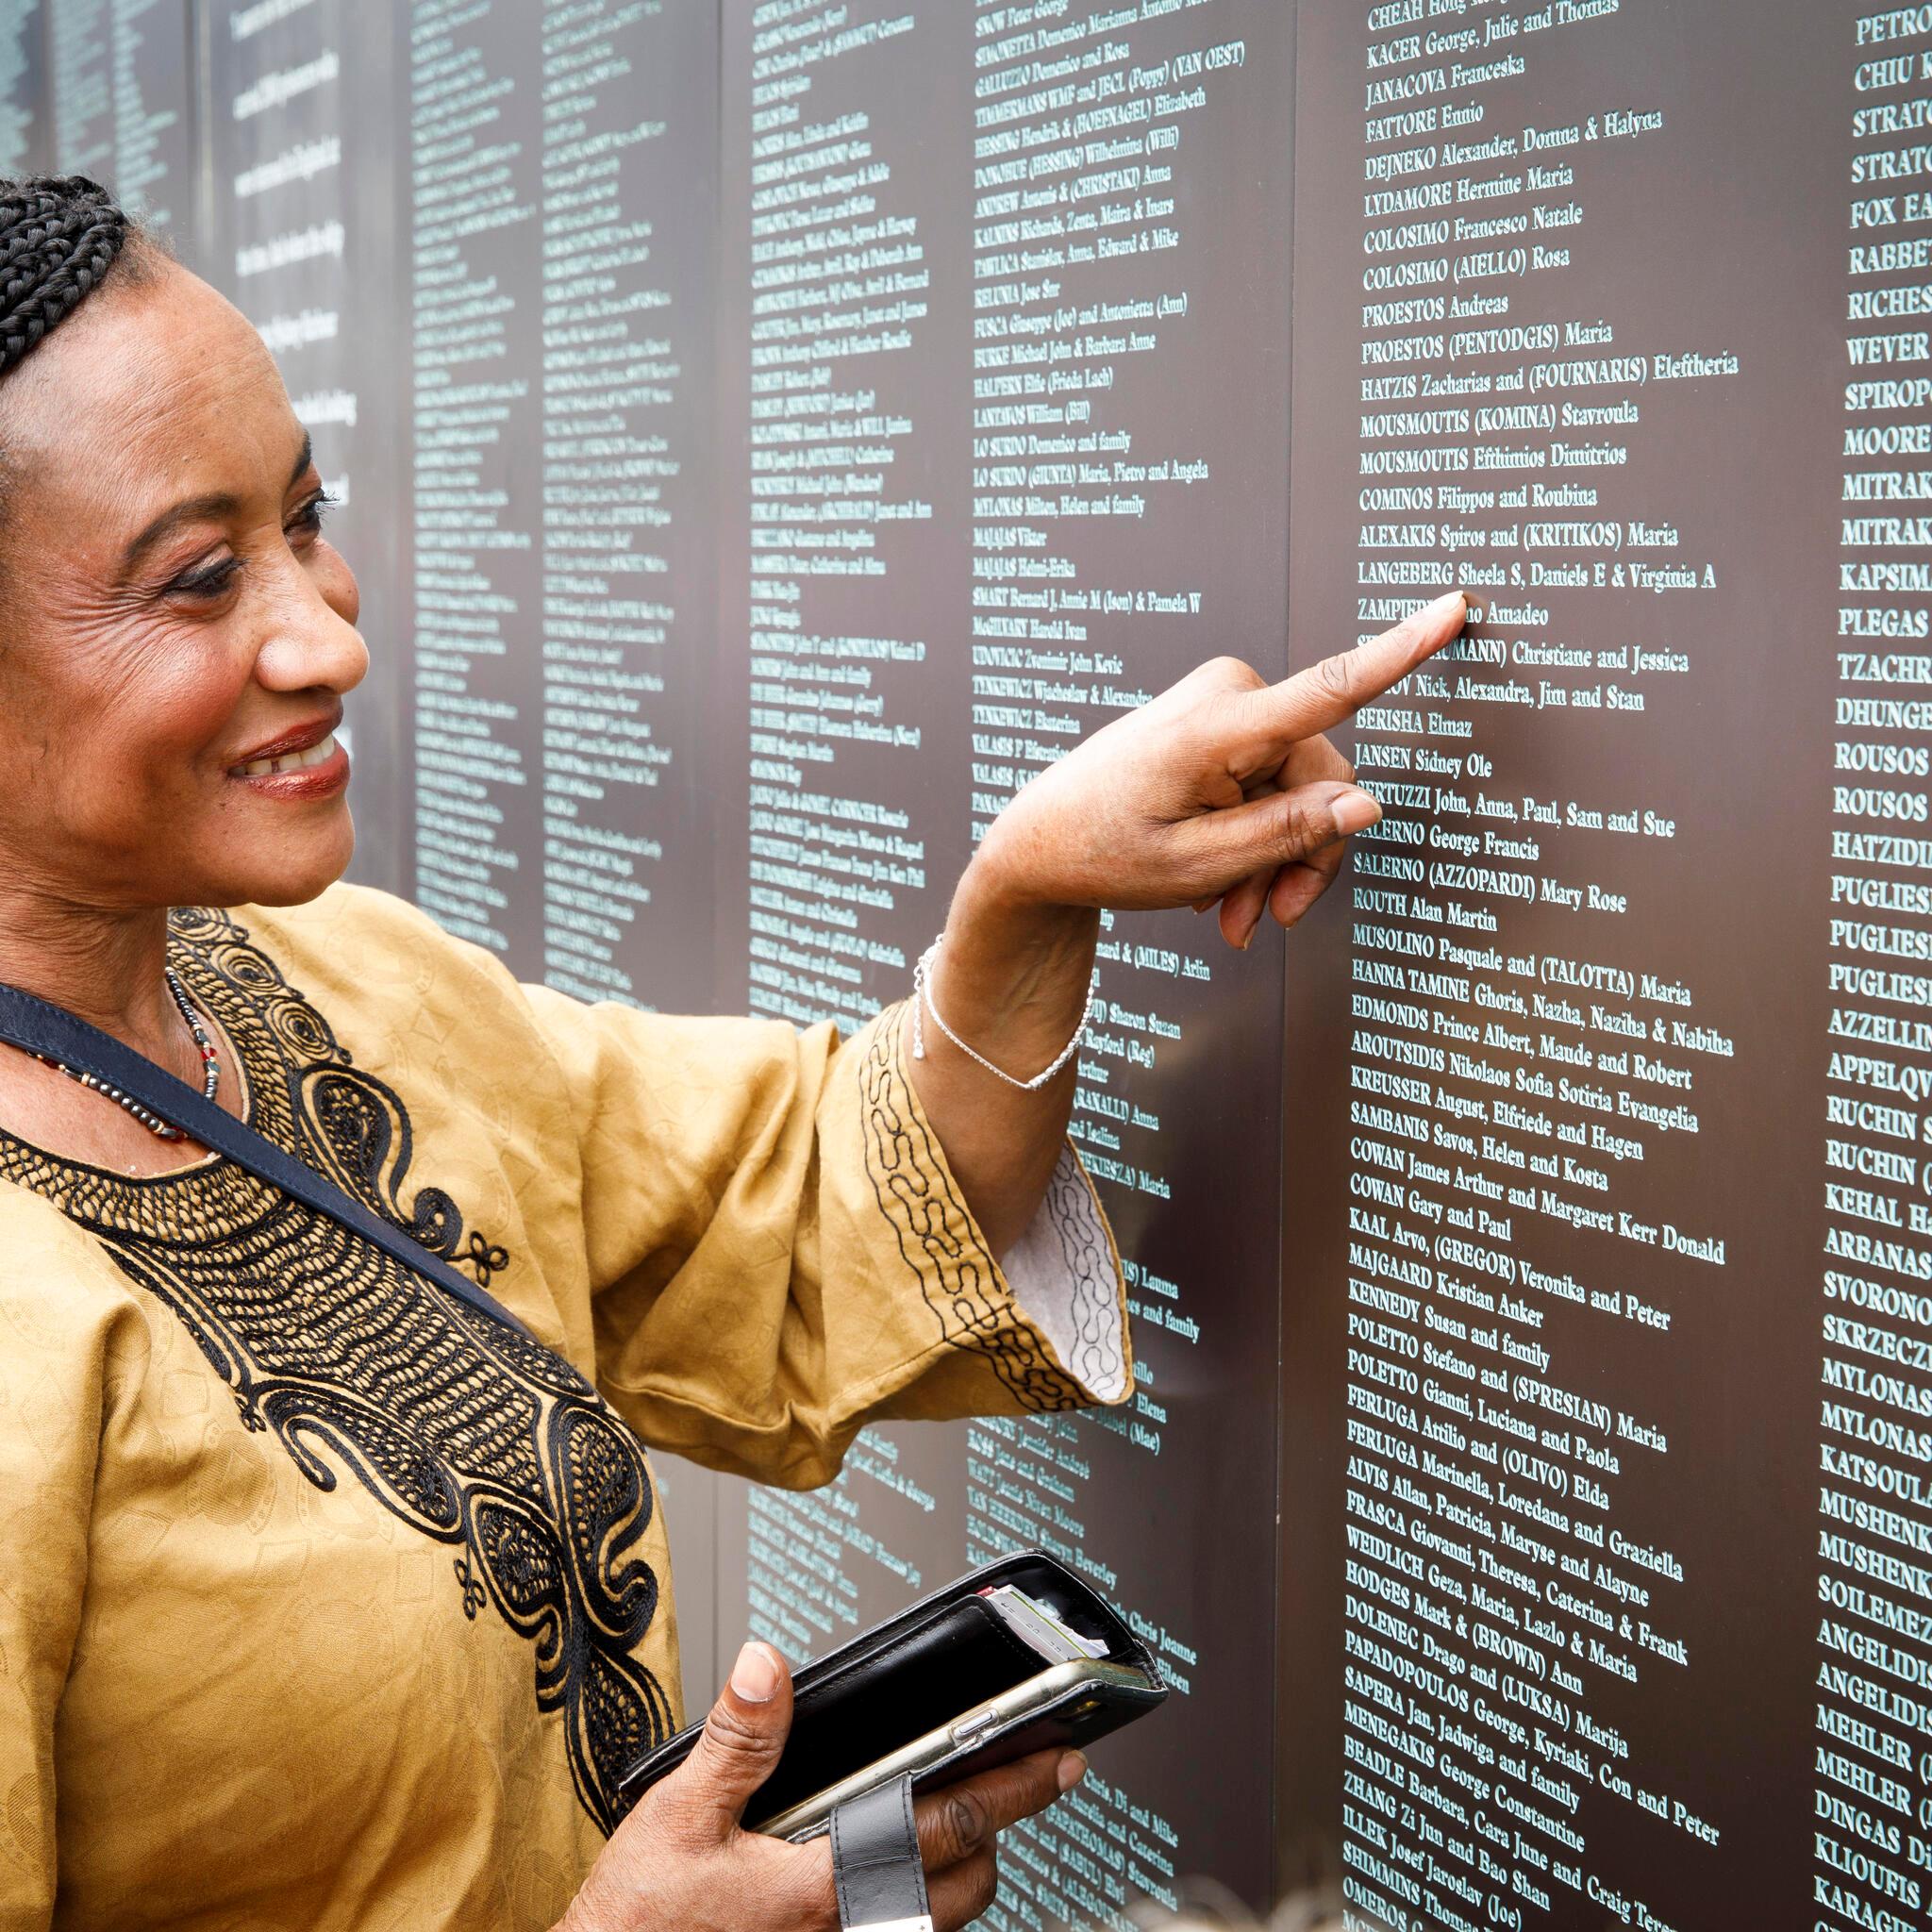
point(952, 1686)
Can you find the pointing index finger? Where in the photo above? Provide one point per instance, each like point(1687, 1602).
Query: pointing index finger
point(1328, 693)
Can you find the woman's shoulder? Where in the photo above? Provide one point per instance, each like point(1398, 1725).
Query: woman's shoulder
point(443, 1023)
point(357, 951)
point(350, 926)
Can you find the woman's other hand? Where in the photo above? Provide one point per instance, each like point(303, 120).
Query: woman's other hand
point(1223, 789)
point(683, 1862)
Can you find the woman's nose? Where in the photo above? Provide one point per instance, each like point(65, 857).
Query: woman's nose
point(326, 655)
point(312, 646)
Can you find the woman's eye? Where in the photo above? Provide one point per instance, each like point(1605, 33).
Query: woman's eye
point(210, 580)
point(307, 522)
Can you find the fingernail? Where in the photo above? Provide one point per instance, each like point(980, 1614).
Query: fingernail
point(1454, 600)
point(1355, 811)
point(1073, 1769)
point(754, 1675)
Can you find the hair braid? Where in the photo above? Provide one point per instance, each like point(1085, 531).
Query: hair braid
point(60, 235)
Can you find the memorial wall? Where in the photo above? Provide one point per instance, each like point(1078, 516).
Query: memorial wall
point(1604, 1578)
point(768, 433)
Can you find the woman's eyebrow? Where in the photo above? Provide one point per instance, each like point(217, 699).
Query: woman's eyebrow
point(192, 510)
point(210, 508)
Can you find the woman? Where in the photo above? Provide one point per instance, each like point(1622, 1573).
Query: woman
point(324, 1602)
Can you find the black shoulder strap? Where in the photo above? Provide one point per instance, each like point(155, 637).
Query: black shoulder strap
point(37, 1024)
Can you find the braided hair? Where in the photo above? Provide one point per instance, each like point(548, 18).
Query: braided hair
point(60, 236)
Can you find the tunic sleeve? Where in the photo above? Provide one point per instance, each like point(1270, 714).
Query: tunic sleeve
point(778, 1253)
point(56, 1359)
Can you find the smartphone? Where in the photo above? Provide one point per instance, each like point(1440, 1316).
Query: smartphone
point(982, 1739)
point(1019, 1657)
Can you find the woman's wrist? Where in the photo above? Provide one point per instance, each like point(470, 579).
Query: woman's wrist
point(1013, 974)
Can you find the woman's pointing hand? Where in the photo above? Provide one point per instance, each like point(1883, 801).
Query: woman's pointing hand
point(1223, 789)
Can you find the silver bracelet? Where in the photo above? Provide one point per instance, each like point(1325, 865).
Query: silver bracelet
point(922, 1004)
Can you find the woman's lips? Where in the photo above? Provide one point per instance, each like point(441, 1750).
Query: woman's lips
point(297, 758)
point(322, 769)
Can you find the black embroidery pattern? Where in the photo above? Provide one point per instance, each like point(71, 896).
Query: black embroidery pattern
point(477, 1437)
point(957, 1274)
point(1095, 1349)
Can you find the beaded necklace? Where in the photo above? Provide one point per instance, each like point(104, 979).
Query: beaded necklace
point(210, 1061)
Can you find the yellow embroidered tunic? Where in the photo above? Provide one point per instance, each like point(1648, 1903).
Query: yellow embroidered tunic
point(327, 1602)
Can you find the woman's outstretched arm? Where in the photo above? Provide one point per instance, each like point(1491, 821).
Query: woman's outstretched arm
point(1223, 789)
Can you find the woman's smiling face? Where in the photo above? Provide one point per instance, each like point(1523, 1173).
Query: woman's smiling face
point(176, 634)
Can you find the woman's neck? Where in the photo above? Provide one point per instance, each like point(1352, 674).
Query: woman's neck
point(105, 966)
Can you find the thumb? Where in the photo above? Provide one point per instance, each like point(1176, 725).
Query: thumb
point(739, 1748)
